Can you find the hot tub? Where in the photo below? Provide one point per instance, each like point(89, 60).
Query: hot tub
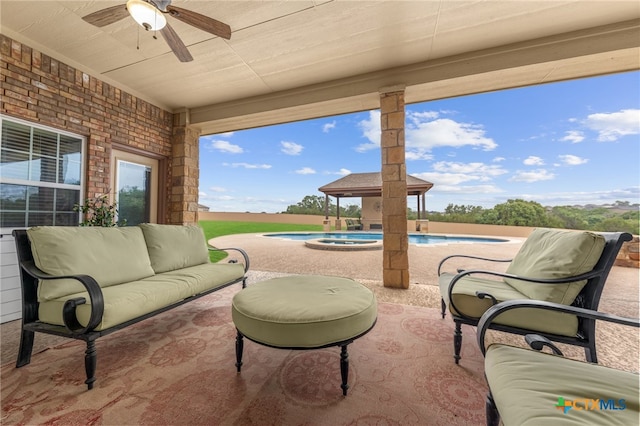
point(343, 244)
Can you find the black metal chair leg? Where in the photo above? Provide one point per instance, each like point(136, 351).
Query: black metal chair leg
point(239, 349)
point(344, 369)
point(26, 347)
point(90, 361)
point(491, 411)
point(590, 353)
point(457, 342)
point(443, 307)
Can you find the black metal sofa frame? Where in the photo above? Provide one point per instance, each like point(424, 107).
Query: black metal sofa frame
point(588, 298)
point(30, 276)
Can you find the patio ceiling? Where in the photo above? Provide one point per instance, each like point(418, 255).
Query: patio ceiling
point(294, 60)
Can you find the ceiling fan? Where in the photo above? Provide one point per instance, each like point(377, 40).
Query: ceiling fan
point(150, 14)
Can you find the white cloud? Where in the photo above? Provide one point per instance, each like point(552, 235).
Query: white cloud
point(217, 189)
point(248, 166)
point(572, 160)
point(479, 170)
point(532, 176)
point(425, 131)
point(370, 130)
point(498, 159)
point(532, 160)
point(418, 155)
point(328, 126)
point(612, 126)
point(226, 146)
point(306, 171)
point(427, 135)
point(341, 172)
point(291, 148)
point(573, 136)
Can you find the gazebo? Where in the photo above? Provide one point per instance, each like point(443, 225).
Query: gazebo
point(368, 186)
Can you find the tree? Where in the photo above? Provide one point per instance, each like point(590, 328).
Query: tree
point(314, 204)
point(521, 213)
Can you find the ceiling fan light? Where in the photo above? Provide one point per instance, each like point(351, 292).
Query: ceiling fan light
point(146, 15)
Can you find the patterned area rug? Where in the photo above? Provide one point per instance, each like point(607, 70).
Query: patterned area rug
point(178, 368)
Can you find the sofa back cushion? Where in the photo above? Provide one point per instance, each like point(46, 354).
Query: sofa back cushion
point(174, 247)
point(109, 255)
point(549, 254)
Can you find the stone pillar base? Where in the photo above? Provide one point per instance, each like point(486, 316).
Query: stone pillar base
point(422, 226)
point(326, 225)
point(338, 225)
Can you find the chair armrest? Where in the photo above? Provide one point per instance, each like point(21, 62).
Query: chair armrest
point(468, 257)
point(482, 295)
point(68, 313)
point(488, 317)
point(242, 252)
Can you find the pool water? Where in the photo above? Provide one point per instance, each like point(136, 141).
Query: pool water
point(413, 238)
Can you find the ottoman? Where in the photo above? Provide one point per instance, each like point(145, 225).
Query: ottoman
point(304, 312)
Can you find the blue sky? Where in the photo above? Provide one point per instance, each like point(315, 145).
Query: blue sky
point(567, 143)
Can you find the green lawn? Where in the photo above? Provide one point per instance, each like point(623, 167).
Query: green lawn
point(213, 229)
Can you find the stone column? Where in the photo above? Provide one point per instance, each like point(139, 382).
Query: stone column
point(394, 189)
point(185, 173)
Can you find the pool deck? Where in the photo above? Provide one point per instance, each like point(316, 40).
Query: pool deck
point(274, 256)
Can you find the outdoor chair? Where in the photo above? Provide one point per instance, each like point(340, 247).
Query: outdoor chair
point(353, 224)
point(530, 387)
point(566, 267)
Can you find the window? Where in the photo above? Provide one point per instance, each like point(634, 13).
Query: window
point(40, 175)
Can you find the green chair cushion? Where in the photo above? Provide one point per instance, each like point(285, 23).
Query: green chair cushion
point(549, 254)
point(465, 299)
point(174, 247)
point(110, 255)
point(526, 386)
point(306, 311)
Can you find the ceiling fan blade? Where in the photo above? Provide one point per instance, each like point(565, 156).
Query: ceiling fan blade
point(176, 45)
point(202, 22)
point(107, 16)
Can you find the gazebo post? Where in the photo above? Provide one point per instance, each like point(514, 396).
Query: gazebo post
point(338, 221)
point(326, 223)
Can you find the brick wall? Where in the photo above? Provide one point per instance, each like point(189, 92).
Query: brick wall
point(38, 88)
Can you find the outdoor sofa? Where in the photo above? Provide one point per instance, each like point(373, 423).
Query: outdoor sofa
point(87, 282)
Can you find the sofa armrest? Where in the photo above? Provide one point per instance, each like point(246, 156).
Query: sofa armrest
point(468, 257)
point(493, 312)
point(242, 252)
point(95, 298)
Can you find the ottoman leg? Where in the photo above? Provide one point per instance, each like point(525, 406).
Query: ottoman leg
point(239, 348)
point(344, 369)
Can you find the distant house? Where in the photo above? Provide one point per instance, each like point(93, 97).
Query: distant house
point(203, 208)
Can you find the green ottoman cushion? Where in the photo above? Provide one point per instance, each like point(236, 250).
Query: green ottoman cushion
point(307, 311)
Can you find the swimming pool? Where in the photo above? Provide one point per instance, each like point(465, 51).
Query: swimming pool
point(413, 238)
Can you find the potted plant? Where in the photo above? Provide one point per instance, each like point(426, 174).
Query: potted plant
point(99, 211)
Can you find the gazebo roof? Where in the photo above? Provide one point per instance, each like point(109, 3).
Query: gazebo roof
point(369, 185)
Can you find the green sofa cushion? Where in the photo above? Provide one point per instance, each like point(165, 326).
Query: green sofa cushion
point(465, 299)
point(131, 300)
point(174, 247)
point(549, 254)
point(304, 311)
point(526, 386)
point(110, 255)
